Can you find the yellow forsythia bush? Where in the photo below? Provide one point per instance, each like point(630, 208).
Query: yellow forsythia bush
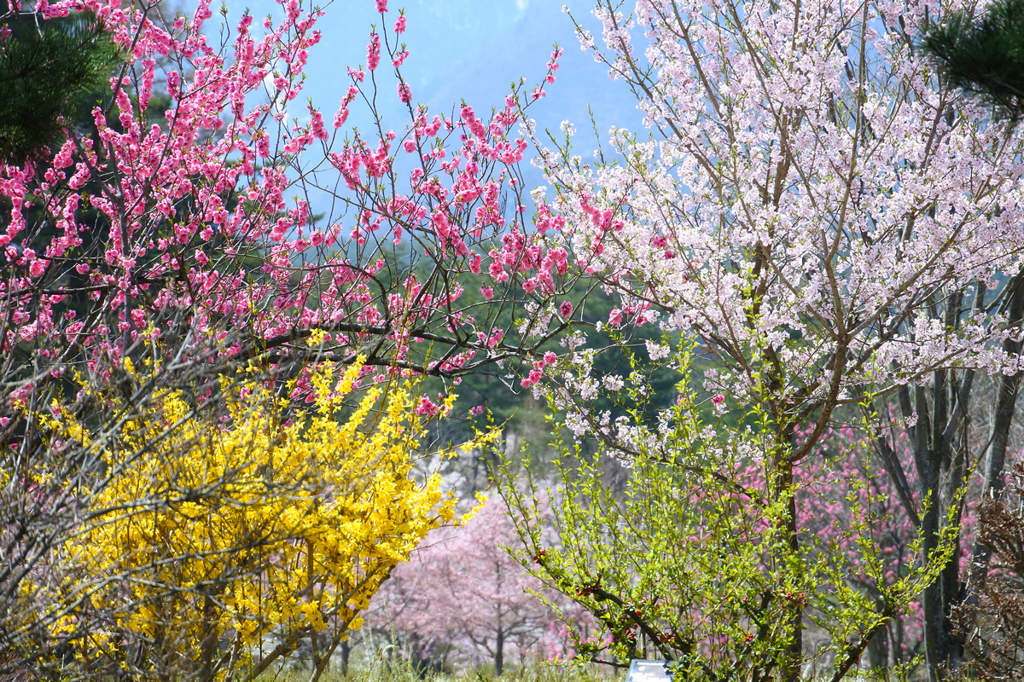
point(213, 549)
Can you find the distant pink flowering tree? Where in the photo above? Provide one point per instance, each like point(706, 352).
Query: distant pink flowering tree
point(463, 594)
point(840, 471)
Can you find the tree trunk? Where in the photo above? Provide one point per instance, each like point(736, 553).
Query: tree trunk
point(791, 668)
point(208, 646)
point(878, 654)
point(927, 434)
point(941, 470)
point(499, 652)
point(931, 599)
point(1002, 421)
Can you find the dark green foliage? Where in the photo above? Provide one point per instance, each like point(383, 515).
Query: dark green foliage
point(46, 69)
point(983, 55)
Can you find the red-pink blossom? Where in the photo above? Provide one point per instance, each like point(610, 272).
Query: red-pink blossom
point(426, 407)
point(373, 52)
point(404, 94)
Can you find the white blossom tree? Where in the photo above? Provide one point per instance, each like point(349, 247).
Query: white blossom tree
point(839, 233)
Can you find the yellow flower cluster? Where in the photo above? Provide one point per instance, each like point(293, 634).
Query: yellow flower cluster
point(212, 545)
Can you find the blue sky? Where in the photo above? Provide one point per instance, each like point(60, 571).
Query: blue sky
point(467, 50)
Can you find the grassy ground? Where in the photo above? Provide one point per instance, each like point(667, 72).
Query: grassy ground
point(389, 671)
point(386, 671)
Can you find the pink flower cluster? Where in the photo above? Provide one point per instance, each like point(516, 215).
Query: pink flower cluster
point(196, 220)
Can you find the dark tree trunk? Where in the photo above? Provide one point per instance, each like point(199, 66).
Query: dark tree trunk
point(344, 658)
point(790, 670)
point(1002, 420)
point(932, 454)
point(943, 476)
point(878, 654)
point(796, 647)
point(941, 445)
point(931, 599)
point(499, 652)
point(208, 647)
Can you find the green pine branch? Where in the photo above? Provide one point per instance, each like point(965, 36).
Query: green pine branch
point(47, 69)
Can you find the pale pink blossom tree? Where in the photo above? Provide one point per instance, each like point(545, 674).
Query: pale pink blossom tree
point(838, 232)
point(464, 597)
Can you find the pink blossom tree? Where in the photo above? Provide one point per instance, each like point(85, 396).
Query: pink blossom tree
point(156, 249)
point(464, 593)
